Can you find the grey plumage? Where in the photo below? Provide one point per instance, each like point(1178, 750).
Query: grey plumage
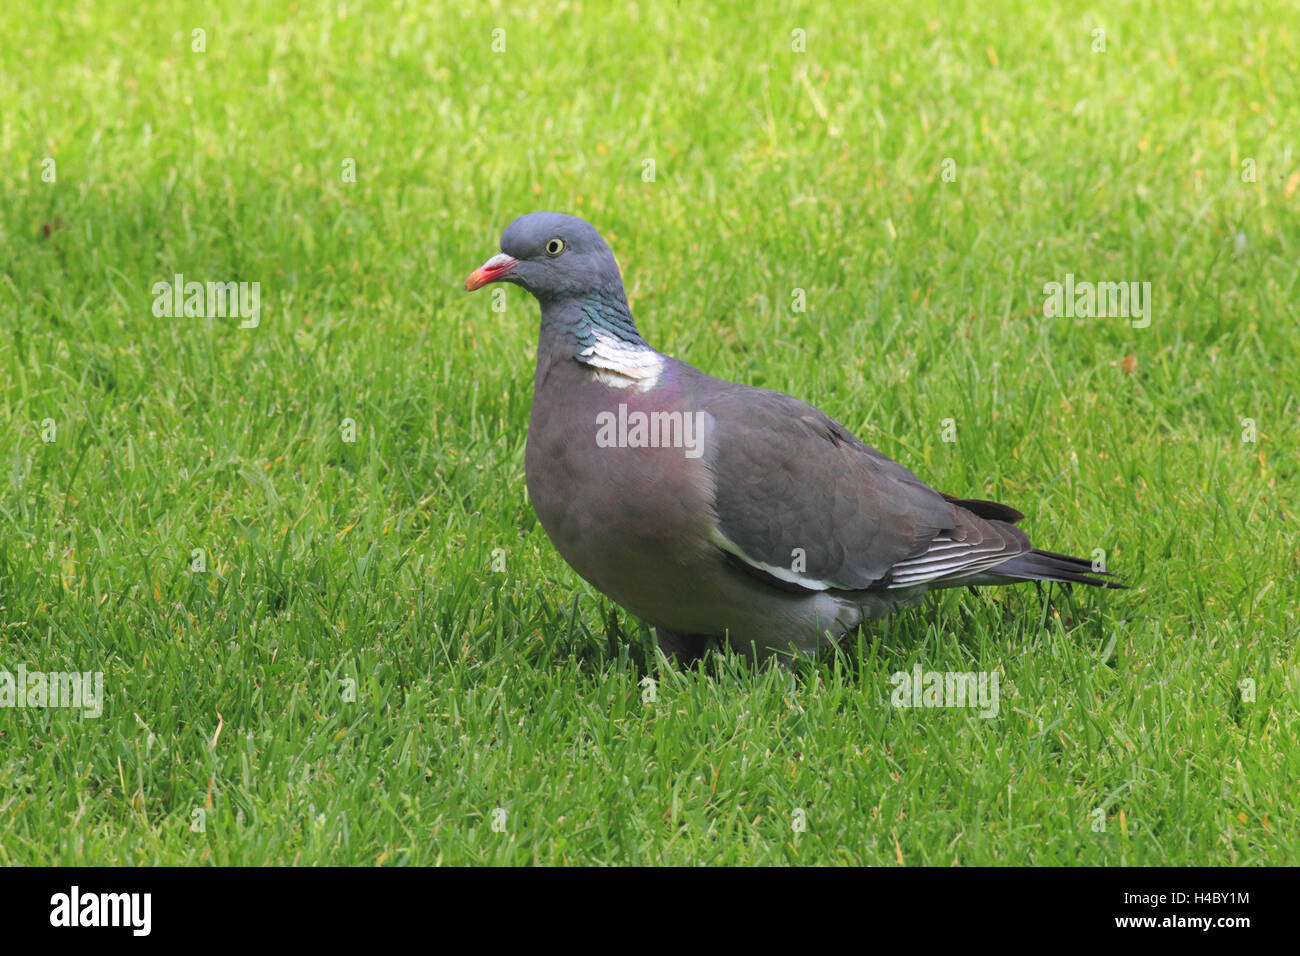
point(758, 519)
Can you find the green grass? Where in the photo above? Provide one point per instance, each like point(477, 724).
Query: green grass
point(372, 562)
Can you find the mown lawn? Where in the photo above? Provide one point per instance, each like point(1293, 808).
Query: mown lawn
point(384, 649)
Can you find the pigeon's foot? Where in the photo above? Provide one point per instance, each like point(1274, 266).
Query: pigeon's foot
point(686, 649)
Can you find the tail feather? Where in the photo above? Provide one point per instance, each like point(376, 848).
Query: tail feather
point(1038, 565)
point(988, 510)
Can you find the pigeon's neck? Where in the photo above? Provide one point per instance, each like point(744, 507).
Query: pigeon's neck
point(596, 330)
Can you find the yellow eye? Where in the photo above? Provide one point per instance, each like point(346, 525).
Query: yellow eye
point(554, 247)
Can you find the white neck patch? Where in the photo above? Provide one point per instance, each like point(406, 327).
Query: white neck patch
point(621, 364)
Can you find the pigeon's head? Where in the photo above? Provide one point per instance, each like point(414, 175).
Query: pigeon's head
point(553, 256)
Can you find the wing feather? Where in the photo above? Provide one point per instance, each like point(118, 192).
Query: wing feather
point(800, 499)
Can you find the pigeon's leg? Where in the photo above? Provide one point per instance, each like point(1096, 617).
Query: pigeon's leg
point(686, 649)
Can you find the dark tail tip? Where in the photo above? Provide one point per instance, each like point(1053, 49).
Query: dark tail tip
point(1049, 566)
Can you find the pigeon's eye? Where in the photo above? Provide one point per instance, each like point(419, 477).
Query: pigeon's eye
point(554, 247)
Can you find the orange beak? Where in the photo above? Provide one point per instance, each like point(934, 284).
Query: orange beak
point(490, 271)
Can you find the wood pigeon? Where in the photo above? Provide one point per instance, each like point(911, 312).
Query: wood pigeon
point(720, 511)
